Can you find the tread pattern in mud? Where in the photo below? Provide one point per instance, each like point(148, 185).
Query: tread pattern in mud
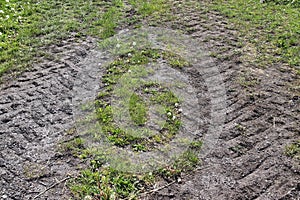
point(248, 162)
point(261, 119)
point(35, 109)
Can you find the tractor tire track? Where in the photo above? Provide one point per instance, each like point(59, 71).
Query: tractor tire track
point(261, 119)
point(35, 112)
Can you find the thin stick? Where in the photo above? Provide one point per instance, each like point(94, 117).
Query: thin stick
point(52, 186)
point(157, 189)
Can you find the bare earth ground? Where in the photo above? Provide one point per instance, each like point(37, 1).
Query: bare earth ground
point(262, 117)
point(35, 113)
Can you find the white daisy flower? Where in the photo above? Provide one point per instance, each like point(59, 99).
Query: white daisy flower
point(7, 1)
point(1, 11)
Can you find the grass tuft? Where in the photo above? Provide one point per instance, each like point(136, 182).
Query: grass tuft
point(293, 150)
point(272, 28)
point(138, 110)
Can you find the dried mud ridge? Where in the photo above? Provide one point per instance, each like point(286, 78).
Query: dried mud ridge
point(248, 161)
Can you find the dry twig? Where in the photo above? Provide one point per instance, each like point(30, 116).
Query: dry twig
point(157, 189)
point(52, 186)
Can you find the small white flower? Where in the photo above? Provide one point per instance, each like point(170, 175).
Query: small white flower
point(176, 104)
point(129, 54)
point(12, 9)
point(118, 46)
point(7, 1)
point(1, 11)
point(174, 117)
point(179, 110)
point(7, 16)
point(169, 114)
point(134, 43)
point(0, 33)
point(88, 197)
point(129, 71)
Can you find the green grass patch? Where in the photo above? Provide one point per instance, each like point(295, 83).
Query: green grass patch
point(105, 183)
point(108, 21)
point(293, 3)
point(175, 60)
point(293, 150)
point(74, 146)
point(100, 181)
point(137, 104)
point(153, 8)
point(272, 28)
point(26, 26)
point(138, 109)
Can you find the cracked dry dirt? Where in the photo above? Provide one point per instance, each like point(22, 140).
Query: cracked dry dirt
point(248, 161)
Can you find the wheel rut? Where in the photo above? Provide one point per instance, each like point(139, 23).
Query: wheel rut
point(262, 117)
point(35, 113)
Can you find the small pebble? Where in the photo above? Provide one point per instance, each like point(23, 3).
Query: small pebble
point(179, 180)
